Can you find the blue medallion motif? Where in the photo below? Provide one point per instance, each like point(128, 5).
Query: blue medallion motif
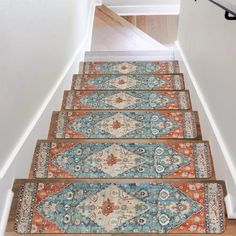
point(145, 160)
point(126, 100)
point(82, 208)
point(125, 125)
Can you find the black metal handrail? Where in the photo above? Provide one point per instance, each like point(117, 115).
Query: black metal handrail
point(230, 9)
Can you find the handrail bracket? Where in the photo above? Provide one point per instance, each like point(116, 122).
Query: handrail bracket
point(229, 16)
point(230, 9)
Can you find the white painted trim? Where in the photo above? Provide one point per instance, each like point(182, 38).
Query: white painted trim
point(231, 209)
point(130, 10)
point(6, 211)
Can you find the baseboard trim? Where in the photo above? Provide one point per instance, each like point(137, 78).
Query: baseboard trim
point(230, 203)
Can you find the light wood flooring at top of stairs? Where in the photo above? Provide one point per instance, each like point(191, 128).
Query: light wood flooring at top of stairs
point(125, 36)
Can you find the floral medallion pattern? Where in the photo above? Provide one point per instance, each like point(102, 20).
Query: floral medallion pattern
point(125, 125)
point(122, 160)
point(158, 67)
point(128, 82)
point(126, 100)
point(120, 208)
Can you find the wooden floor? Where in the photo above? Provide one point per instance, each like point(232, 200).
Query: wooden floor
point(113, 33)
point(163, 28)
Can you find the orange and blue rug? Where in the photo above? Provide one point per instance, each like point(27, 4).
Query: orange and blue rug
point(72, 207)
point(128, 82)
point(142, 100)
point(135, 125)
point(137, 67)
point(122, 160)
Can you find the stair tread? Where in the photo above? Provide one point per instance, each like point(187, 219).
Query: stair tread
point(162, 159)
point(160, 55)
point(128, 82)
point(132, 124)
point(129, 53)
point(108, 100)
point(55, 203)
point(129, 67)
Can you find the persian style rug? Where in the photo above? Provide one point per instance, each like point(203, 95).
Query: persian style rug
point(153, 124)
point(128, 82)
point(174, 208)
point(138, 67)
point(75, 100)
point(122, 160)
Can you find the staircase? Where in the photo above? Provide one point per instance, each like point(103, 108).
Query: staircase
point(124, 155)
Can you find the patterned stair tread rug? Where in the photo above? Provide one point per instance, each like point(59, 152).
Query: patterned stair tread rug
point(122, 160)
point(72, 207)
point(128, 82)
point(137, 67)
point(86, 100)
point(153, 124)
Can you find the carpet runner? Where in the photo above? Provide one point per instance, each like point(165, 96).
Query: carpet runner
point(124, 155)
point(135, 125)
point(128, 82)
point(86, 100)
point(73, 207)
point(183, 159)
point(157, 67)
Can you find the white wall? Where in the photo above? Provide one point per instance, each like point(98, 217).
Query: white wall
point(231, 1)
point(144, 7)
point(41, 44)
point(207, 42)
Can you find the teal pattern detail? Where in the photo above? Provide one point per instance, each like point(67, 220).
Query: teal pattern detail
point(161, 67)
point(82, 208)
point(123, 125)
point(135, 100)
point(130, 82)
point(127, 100)
point(145, 160)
